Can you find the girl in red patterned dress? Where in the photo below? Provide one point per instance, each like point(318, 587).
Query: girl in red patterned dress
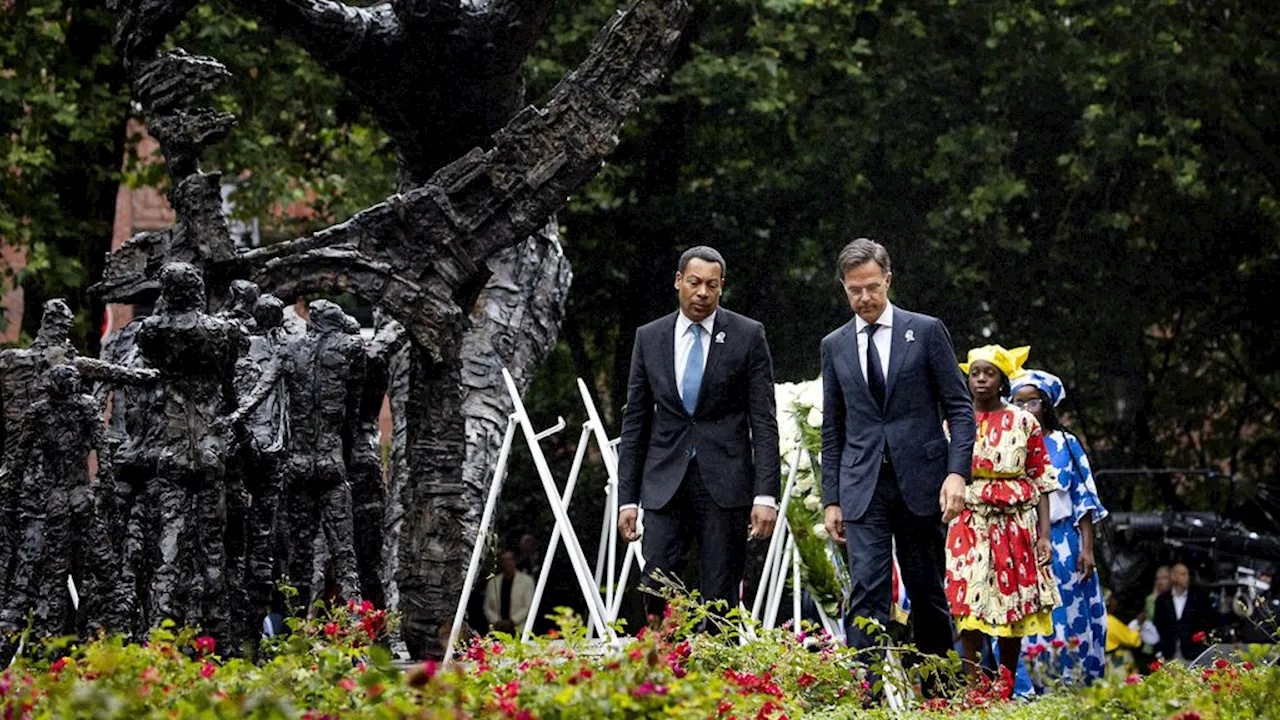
point(999, 580)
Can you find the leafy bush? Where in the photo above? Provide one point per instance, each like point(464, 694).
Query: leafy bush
point(331, 666)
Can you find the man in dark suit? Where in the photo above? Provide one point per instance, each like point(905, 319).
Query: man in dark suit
point(1182, 616)
point(699, 447)
point(888, 470)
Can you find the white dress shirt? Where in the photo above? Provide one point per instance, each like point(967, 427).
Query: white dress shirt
point(884, 340)
point(684, 344)
point(1179, 603)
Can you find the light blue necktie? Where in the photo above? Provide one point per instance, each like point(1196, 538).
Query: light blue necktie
point(693, 370)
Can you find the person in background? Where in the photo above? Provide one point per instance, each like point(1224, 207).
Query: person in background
point(1074, 509)
point(999, 581)
point(1182, 617)
point(1121, 639)
point(508, 596)
point(1160, 587)
point(530, 559)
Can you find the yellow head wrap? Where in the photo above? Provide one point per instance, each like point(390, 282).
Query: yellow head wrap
point(1009, 361)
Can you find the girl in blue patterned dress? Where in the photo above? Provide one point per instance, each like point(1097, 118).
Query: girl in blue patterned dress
point(1080, 624)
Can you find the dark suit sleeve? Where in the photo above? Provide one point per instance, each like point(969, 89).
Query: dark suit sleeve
point(833, 435)
point(957, 403)
point(763, 416)
point(637, 420)
point(1166, 625)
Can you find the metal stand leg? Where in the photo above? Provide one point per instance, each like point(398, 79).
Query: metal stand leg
point(590, 591)
point(554, 543)
point(477, 551)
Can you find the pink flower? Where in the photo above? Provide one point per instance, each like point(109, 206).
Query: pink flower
point(430, 668)
point(647, 688)
point(1133, 679)
point(207, 670)
point(205, 645)
point(347, 684)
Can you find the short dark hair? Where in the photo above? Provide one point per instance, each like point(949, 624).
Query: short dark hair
point(705, 253)
point(861, 251)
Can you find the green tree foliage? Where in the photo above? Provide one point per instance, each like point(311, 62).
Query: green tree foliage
point(63, 106)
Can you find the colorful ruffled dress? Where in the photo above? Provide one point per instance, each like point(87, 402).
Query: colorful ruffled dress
point(994, 583)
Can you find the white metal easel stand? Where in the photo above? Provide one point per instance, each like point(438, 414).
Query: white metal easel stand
point(520, 418)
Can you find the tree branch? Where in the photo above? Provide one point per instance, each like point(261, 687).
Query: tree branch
point(331, 31)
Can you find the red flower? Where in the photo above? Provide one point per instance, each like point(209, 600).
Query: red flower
point(1247, 665)
point(1035, 650)
point(1073, 642)
point(1221, 663)
point(724, 707)
point(1198, 637)
point(1057, 644)
point(806, 680)
point(347, 684)
point(1156, 665)
point(331, 629)
point(207, 670)
point(1188, 715)
point(58, 665)
point(205, 645)
point(366, 607)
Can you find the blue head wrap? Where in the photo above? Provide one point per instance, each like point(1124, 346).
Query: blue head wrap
point(1048, 383)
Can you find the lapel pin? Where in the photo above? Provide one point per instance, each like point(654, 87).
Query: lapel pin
point(911, 336)
point(720, 338)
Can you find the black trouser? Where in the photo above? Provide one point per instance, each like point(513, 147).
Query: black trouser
point(921, 546)
point(722, 542)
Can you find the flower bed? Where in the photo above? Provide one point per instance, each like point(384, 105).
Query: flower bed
point(329, 668)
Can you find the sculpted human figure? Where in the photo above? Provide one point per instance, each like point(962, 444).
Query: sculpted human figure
point(323, 373)
point(264, 434)
point(196, 355)
point(59, 526)
point(367, 477)
point(22, 385)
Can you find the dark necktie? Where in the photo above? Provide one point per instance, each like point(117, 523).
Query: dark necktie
point(875, 374)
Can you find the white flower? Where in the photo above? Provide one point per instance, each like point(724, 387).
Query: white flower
point(812, 503)
point(820, 530)
point(809, 394)
point(804, 482)
point(815, 417)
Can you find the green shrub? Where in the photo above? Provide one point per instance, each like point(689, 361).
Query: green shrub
point(331, 666)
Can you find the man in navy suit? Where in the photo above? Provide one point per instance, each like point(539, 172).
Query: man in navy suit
point(699, 447)
point(889, 473)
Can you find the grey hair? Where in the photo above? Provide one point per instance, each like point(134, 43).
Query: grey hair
point(705, 253)
point(859, 252)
